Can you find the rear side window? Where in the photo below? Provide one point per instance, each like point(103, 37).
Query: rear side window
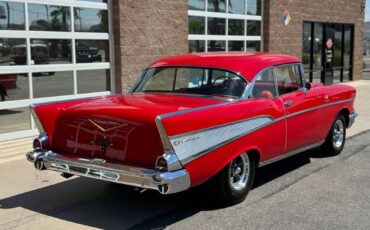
point(264, 86)
point(288, 78)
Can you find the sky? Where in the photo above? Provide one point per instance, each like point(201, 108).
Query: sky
point(367, 11)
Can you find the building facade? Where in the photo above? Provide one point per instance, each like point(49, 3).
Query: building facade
point(52, 50)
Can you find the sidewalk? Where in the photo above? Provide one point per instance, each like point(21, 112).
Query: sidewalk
point(16, 149)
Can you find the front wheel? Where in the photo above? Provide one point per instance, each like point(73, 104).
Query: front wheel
point(233, 183)
point(336, 138)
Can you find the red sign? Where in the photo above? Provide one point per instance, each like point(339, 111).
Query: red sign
point(329, 43)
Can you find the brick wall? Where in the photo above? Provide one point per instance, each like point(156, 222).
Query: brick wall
point(145, 31)
point(281, 39)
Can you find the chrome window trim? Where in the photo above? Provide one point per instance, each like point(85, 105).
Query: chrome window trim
point(36, 118)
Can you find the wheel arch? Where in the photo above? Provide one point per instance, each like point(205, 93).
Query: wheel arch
point(345, 112)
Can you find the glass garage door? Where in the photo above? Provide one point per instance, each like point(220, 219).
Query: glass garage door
point(51, 51)
point(225, 25)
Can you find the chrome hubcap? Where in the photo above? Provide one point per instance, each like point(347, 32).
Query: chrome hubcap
point(239, 172)
point(338, 134)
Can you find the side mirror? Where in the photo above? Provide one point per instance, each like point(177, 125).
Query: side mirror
point(308, 85)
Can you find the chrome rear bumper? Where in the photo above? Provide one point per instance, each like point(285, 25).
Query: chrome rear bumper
point(164, 182)
point(352, 118)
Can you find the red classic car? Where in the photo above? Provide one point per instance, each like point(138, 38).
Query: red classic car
point(192, 119)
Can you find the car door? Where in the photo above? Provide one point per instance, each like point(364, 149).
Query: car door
point(302, 119)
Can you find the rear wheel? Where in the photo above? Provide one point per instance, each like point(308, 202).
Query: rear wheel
point(336, 138)
point(233, 183)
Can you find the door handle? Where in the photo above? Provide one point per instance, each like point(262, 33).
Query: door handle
point(288, 103)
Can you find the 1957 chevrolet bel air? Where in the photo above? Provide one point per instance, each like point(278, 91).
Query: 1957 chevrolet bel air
point(192, 119)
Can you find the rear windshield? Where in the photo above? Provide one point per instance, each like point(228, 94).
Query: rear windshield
point(185, 80)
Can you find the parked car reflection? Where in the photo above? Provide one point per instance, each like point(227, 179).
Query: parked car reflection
point(86, 53)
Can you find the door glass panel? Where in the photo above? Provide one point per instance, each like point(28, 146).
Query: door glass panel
point(49, 84)
point(14, 87)
point(92, 51)
point(216, 45)
point(286, 78)
point(49, 18)
point(264, 87)
point(236, 27)
point(216, 26)
point(217, 5)
point(236, 45)
point(12, 16)
point(236, 6)
point(253, 46)
point(90, 20)
point(196, 46)
point(196, 4)
point(347, 45)
point(317, 45)
point(306, 52)
point(254, 7)
point(13, 120)
point(13, 51)
point(337, 61)
point(90, 81)
point(196, 25)
point(50, 51)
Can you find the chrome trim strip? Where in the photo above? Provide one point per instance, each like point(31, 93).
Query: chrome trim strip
point(318, 107)
point(270, 161)
point(164, 182)
point(188, 159)
point(36, 118)
point(202, 153)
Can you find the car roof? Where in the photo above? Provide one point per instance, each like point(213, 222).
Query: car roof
point(244, 63)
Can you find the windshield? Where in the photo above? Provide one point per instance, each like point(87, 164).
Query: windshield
point(186, 80)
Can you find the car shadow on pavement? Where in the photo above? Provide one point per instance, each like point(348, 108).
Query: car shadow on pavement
point(109, 206)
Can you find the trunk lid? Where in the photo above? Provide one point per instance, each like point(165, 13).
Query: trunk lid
point(119, 128)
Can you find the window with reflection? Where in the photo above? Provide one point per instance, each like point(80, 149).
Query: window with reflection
point(216, 26)
point(196, 25)
point(236, 27)
point(254, 7)
point(196, 46)
point(15, 119)
point(13, 51)
point(99, 1)
point(196, 4)
point(216, 45)
point(236, 46)
point(306, 48)
point(49, 17)
point(236, 6)
point(88, 51)
point(253, 28)
point(90, 20)
point(217, 5)
point(50, 51)
point(52, 84)
point(198, 81)
point(13, 87)
point(90, 81)
point(12, 16)
point(254, 46)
